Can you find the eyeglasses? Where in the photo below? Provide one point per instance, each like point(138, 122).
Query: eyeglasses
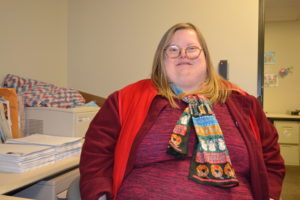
point(191, 52)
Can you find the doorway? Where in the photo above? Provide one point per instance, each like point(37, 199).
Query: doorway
point(280, 73)
point(281, 88)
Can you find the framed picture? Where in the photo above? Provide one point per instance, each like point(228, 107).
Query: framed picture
point(269, 57)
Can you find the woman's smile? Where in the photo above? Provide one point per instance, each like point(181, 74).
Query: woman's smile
point(184, 63)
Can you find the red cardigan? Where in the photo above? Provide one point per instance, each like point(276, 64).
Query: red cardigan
point(134, 103)
point(267, 169)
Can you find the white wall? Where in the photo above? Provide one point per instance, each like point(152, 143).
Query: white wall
point(99, 46)
point(112, 43)
point(284, 39)
point(33, 39)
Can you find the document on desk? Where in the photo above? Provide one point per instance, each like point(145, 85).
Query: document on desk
point(18, 158)
point(63, 146)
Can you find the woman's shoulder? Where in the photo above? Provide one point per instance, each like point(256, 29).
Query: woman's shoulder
point(141, 85)
point(139, 89)
point(144, 84)
point(244, 98)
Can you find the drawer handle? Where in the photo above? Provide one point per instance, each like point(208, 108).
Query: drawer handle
point(287, 133)
point(82, 119)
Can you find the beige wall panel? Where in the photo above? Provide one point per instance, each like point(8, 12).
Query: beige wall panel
point(283, 38)
point(112, 43)
point(33, 39)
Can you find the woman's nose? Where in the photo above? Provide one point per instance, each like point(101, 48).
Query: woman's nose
point(182, 53)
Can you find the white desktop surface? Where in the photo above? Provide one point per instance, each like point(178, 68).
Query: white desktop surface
point(282, 116)
point(3, 197)
point(12, 181)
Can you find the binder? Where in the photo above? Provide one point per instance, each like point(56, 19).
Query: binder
point(10, 95)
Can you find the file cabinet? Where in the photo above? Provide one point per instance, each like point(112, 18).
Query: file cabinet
point(289, 141)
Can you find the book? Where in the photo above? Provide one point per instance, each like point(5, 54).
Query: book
point(21, 113)
point(6, 110)
point(5, 125)
point(10, 95)
point(2, 137)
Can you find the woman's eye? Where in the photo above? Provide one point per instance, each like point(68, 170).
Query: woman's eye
point(172, 50)
point(190, 49)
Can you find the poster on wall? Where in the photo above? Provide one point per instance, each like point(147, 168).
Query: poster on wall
point(269, 57)
point(271, 80)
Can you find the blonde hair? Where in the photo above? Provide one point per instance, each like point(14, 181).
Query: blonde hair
point(215, 88)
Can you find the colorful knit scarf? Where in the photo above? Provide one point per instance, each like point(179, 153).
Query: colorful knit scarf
point(210, 164)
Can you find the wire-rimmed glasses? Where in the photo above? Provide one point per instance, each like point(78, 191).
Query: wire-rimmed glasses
point(191, 52)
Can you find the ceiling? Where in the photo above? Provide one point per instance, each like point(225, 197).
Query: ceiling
point(282, 10)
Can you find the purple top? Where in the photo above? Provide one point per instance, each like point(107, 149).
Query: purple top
point(158, 175)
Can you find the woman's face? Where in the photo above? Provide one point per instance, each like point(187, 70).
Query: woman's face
point(186, 73)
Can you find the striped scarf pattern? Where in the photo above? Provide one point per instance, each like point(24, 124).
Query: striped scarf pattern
point(211, 163)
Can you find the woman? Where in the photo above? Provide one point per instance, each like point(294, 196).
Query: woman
point(184, 134)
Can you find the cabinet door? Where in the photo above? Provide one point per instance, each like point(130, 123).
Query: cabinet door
point(83, 121)
point(290, 154)
point(288, 132)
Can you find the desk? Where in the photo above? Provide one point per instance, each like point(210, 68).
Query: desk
point(13, 181)
point(288, 127)
point(282, 117)
point(4, 197)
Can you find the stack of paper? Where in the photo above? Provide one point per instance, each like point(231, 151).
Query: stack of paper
point(63, 146)
point(19, 158)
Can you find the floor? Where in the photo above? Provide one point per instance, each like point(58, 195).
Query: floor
point(291, 184)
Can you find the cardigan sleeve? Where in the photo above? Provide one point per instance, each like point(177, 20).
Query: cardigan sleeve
point(271, 151)
point(97, 156)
